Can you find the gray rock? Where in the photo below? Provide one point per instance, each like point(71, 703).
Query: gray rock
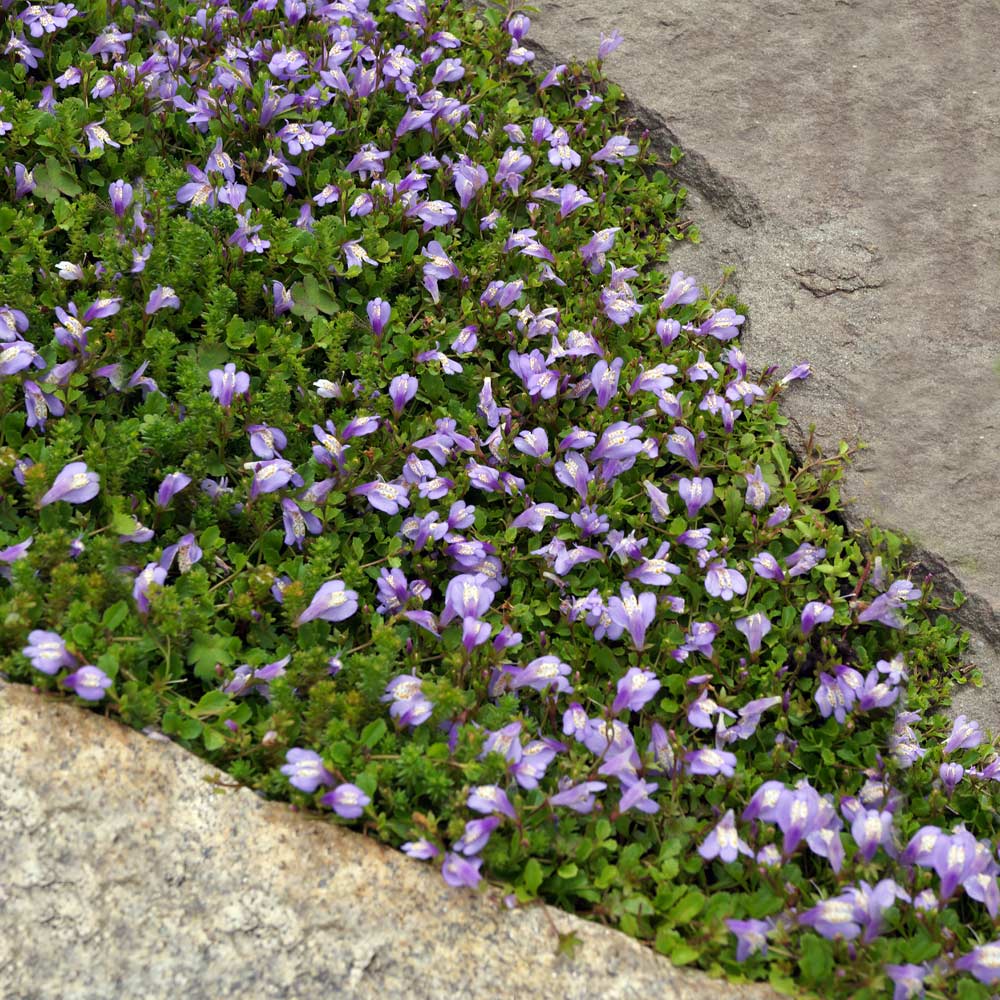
point(844, 157)
point(132, 869)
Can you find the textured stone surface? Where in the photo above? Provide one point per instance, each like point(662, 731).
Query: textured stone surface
point(845, 159)
point(126, 874)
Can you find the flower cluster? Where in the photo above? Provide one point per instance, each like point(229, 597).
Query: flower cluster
point(359, 443)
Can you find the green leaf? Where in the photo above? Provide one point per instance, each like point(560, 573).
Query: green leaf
point(410, 243)
point(373, 733)
point(781, 460)
point(687, 907)
point(684, 954)
point(115, 615)
point(189, 729)
point(124, 524)
point(211, 703)
point(213, 739)
point(817, 959)
point(532, 876)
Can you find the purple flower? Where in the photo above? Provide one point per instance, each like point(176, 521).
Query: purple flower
point(632, 614)
point(609, 43)
point(758, 492)
point(410, 707)
point(102, 308)
point(659, 502)
point(909, 980)
point(535, 516)
point(701, 370)
point(331, 603)
point(422, 849)
point(615, 150)
point(98, 136)
point(38, 404)
point(71, 333)
point(798, 814)
point(604, 378)
point(754, 627)
point(297, 522)
point(802, 371)
point(766, 801)
point(751, 937)
point(470, 178)
point(983, 962)
point(951, 774)
point(111, 42)
point(681, 443)
point(379, 313)
point(47, 652)
point(153, 574)
point(18, 355)
point(281, 297)
point(476, 836)
point(270, 476)
point(635, 689)
point(723, 325)
point(696, 493)
point(227, 383)
point(24, 180)
point(682, 291)
point(461, 872)
point(876, 693)
point(574, 472)
point(467, 596)
point(813, 614)
point(724, 842)
point(120, 194)
point(162, 297)
point(834, 918)
point(830, 698)
point(438, 266)
point(346, 800)
point(541, 674)
point(804, 559)
point(12, 323)
point(172, 484)
point(595, 250)
point(965, 735)
point(305, 771)
point(402, 389)
point(655, 572)
point(186, 551)
point(512, 164)
point(75, 484)
point(883, 609)
point(386, 497)
point(580, 798)
point(870, 830)
point(637, 796)
point(721, 581)
point(618, 443)
point(88, 682)
point(490, 799)
point(711, 762)
point(781, 514)
point(266, 442)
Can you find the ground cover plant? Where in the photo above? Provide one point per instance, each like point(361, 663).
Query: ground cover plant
point(354, 437)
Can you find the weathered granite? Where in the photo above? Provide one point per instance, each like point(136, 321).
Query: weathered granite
point(844, 157)
point(126, 874)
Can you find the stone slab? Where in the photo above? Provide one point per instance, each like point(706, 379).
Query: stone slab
point(844, 158)
point(126, 873)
